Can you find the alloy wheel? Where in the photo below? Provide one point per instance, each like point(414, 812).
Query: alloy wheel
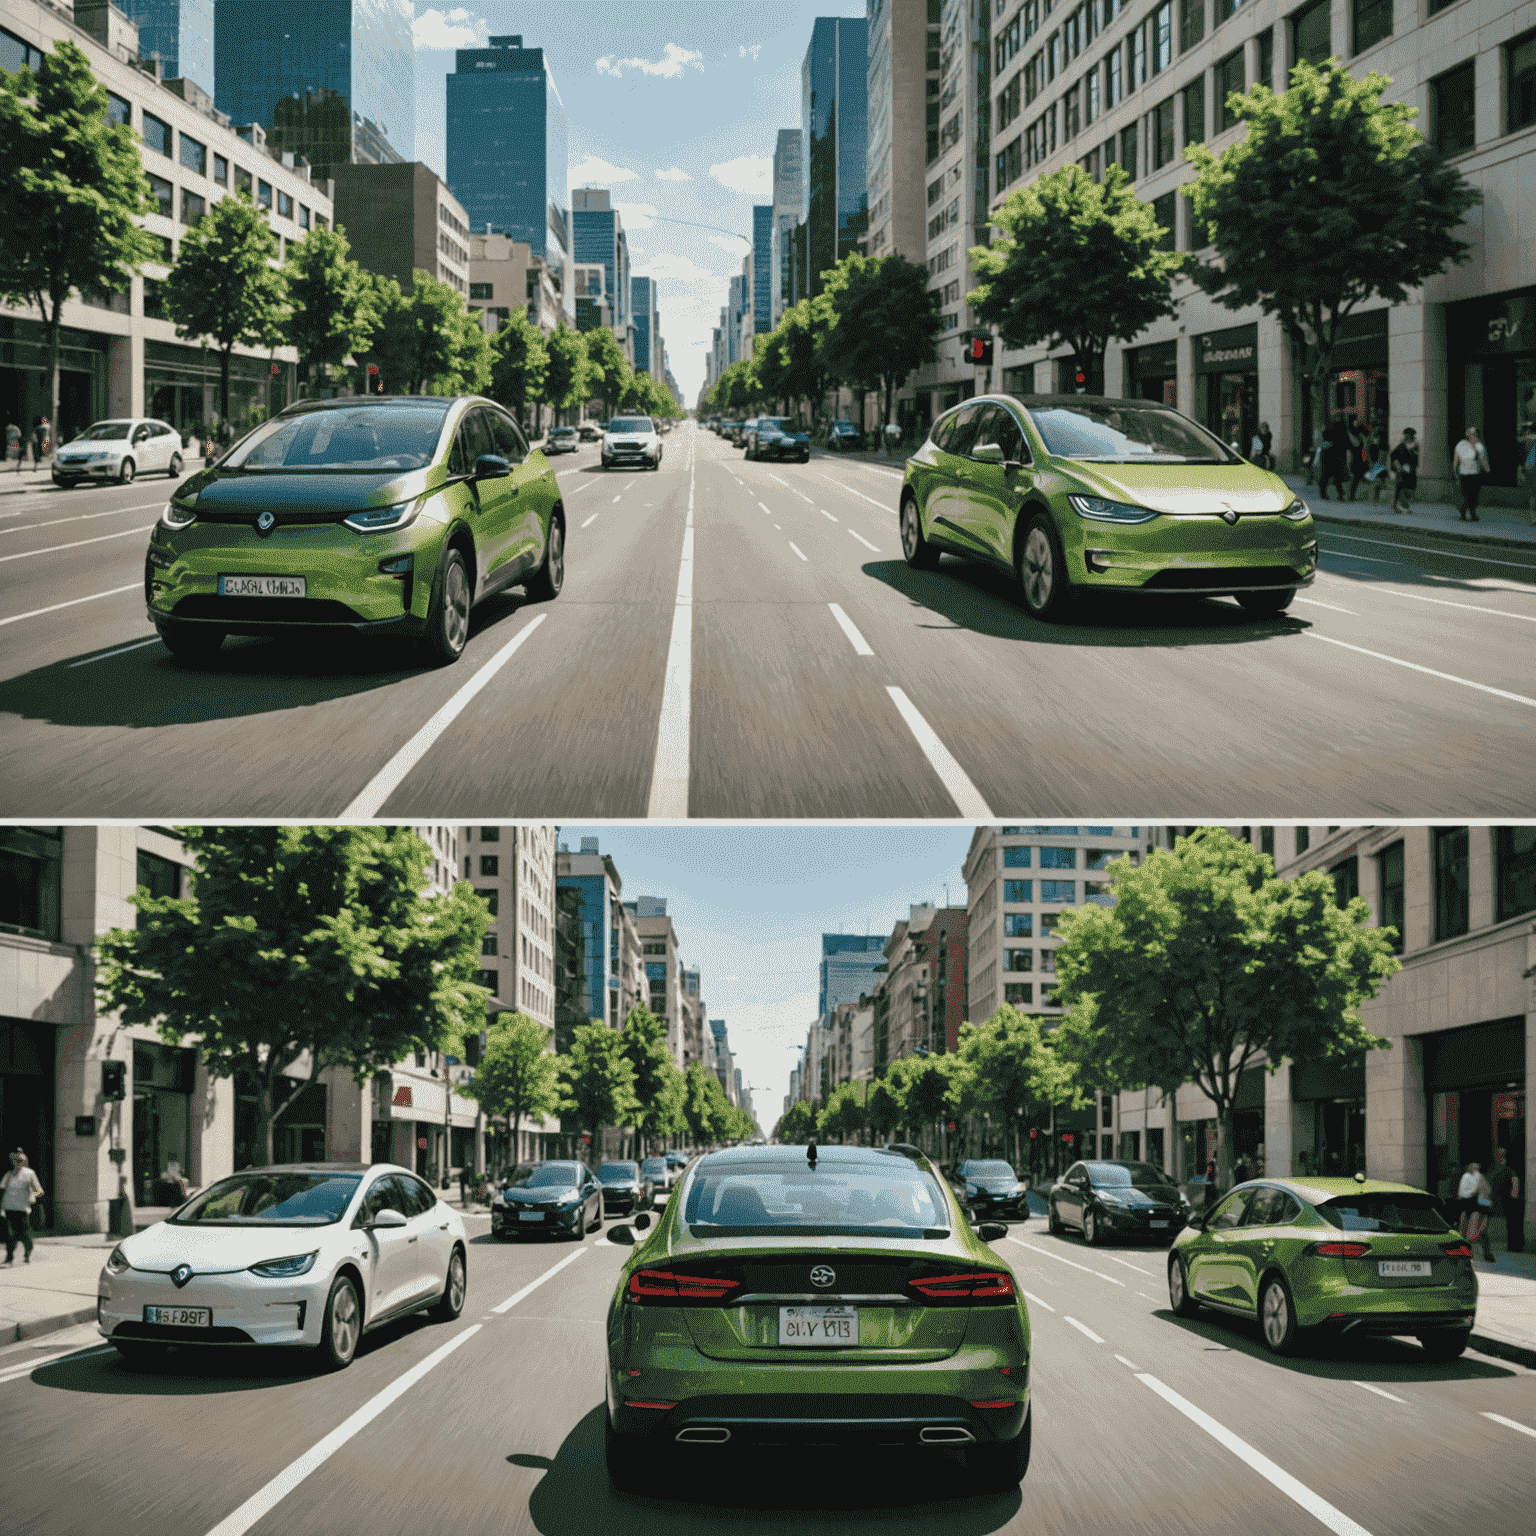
point(1090, 1228)
point(344, 1328)
point(909, 529)
point(1039, 569)
point(456, 606)
point(456, 1282)
point(1277, 1315)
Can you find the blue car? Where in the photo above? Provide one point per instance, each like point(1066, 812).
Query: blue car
point(776, 437)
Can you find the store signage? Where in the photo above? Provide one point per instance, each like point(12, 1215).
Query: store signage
point(1231, 351)
point(1501, 325)
point(402, 1096)
point(1506, 1106)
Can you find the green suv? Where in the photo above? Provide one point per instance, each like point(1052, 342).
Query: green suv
point(790, 1296)
point(384, 516)
point(1334, 1256)
point(1076, 492)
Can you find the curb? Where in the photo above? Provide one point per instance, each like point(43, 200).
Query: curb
point(1517, 1353)
point(1491, 540)
point(39, 1326)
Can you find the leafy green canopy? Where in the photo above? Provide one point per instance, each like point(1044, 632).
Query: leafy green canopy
point(597, 1083)
point(885, 323)
point(658, 1085)
point(519, 360)
point(568, 374)
point(517, 1076)
point(332, 302)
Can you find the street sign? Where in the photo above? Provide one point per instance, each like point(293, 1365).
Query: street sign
point(1505, 1106)
point(421, 1142)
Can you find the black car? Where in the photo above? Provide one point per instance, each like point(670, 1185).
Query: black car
point(989, 1190)
point(776, 437)
point(661, 1173)
point(1113, 1199)
point(625, 1188)
point(561, 1198)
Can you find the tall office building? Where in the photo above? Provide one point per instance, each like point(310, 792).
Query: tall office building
point(647, 323)
point(506, 149)
point(788, 210)
point(762, 268)
point(400, 220)
point(834, 87)
point(598, 239)
point(177, 32)
point(899, 49)
point(850, 966)
point(331, 80)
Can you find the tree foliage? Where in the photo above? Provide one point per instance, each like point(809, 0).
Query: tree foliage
point(517, 1075)
point(658, 1085)
point(797, 1124)
point(331, 304)
point(844, 1113)
point(597, 1083)
point(1009, 1070)
point(519, 360)
point(885, 323)
point(611, 371)
point(568, 374)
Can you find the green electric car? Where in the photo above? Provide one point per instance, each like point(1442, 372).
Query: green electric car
point(1072, 493)
point(834, 1298)
point(1329, 1257)
point(388, 517)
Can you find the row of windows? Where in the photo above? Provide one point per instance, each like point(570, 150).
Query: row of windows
point(1023, 992)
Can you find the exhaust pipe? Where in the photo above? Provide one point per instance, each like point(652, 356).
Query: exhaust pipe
point(704, 1434)
point(945, 1434)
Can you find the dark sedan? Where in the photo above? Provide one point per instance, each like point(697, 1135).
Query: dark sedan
point(1112, 1199)
point(990, 1190)
point(661, 1173)
point(562, 1199)
point(625, 1188)
point(776, 437)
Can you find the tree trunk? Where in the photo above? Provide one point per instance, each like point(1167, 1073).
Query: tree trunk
point(223, 387)
point(54, 324)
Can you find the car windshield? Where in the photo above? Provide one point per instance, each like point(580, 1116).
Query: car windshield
point(654, 1165)
point(563, 432)
point(777, 423)
point(618, 1171)
point(631, 424)
point(271, 1197)
point(1118, 431)
point(359, 437)
point(769, 1198)
point(550, 1176)
point(1126, 1176)
point(979, 1170)
point(105, 431)
point(1385, 1213)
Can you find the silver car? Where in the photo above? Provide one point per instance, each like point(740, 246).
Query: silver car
point(119, 450)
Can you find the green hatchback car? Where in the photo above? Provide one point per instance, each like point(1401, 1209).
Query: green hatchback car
point(384, 516)
point(1330, 1256)
point(790, 1297)
point(1073, 493)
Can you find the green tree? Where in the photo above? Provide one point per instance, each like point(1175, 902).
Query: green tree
point(392, 346)
point(924, 1086)
point(568, 374)
point(883, 1107)
point(331, 304)
point(844, 1115)
point(519, 359)
point(597, 1083)
point(299, 940)
point(611, 371)
point(797, 1124)
point(517, 1076)
point(1010, 1071)
point(472, 360)
point(1205, 962)
point(886, 322)
point(705, 1107)
point(1331, 197)
point(72, 185)
point(225, 285)
point(1077, 262)
point(435, 310)
point(658, 1083)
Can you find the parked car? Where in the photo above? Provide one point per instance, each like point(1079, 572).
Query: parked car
point(1108, 1199)
point(1072, 493)
point(387, 517)
point(989, 1190)
point(561, 440)
point(661, 1173)
point(560, 1198)
point(631, 440)
point(119, 450)
point(776, 437)
point(733, 431)
point(625, 1188)
point(590, 431)
point(843, 436)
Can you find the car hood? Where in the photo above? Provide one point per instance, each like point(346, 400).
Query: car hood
point(218, 1250)
point(551, 1196)
point(233, 496)
point(996, 1186)
point(1166, 1195)
point(1185, 489)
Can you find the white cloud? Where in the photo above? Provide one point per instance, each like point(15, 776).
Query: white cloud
point(670, 267)
point(637, 215)
point(669, 66)
point(751, 175)
point(594, 172)
point(750, 48)
point(673, 175)
point(457, 28)
point(732, 245)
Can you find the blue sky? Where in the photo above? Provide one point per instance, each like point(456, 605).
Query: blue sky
point(675, 105)
point(750, 905)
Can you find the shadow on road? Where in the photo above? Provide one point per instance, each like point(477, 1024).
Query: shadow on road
point(574, 1497)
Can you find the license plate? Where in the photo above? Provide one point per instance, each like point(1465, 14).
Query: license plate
point(1155, 1224)
point(530, 1215)
point(1395, 1267)
point(261, 586)
point(180, 1317)
point(818, 1325)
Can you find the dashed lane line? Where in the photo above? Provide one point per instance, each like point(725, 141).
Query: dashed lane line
point(592, 519)
point(1030, 1296)
point(615, 500)
point(1127, 1264)
point(884, 506)
point(1413, 666)
point(533, 1285)
point(765, 509)
point(37, 613)
point(1445, 602)
point(669, 773)
point(826, 514)
point(860, 644)
point(1498, 1418)
point(1046, 1253)
point(1367, 1387)
point(1312, 602)
point(865, 542)
point(79, 517)
point(1450, 554)
point(798, 551)
point(53, 549)
point(962, 791)
point(1124, 1361)
point(122, 650)
point(1082, 1328)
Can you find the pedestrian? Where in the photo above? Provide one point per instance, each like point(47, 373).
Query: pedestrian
point(13, 447)
point(1336, 437)
point(1266, 443)
point(1508, 1200)
point(1359, 443)
point(1376, 462)
point(1210, 1183)
point(1256, 449)
point(21, 1191)
point(1404, 464)
point(42, 435)
point(1477, 1223)
point(1471, 464)
point(1314, 466)
point(1466, 1196)
point(1528, 468)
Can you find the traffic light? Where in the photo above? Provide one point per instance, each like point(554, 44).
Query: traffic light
point(1080, 375)
point(375, 381)
point(275, 370)
point(114, 1080)
point(1034, 1134)
point(981, 351)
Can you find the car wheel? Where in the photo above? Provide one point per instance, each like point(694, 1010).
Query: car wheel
point(139, 1356)
point(1443, 1346)
point(451, 1302)
point(1267, 602)
point(1000, 1468)
point(1179, 1299)
point(1277, 1317)
point(805, 458)
point(626, 1460)
point(189, 642)
point(1052, 1220)
point(342, 1327)
point(125, 472)
point(448, 611)
point(63, 484)
point(920, 554)
point(174, 472)
point(1091, 1229)
point(1041, 570)
point(545, 585)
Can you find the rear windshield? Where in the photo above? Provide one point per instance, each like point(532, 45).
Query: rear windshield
point(1386, 1213)
point(617, 1171)
point(549, 1175)
point(782, 423)
point(654, 1165)
point(105, 431)
point(358, 437)
point(1127, 1175)
point(1118, 431)
point(263, 1197)
point(749, 1199)
point(986, 1170)
point(631, 424)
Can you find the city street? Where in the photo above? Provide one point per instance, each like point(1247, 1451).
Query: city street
point(1142, 1424)
point(744, 640)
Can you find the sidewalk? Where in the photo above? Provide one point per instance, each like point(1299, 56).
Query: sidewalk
point(14, 483)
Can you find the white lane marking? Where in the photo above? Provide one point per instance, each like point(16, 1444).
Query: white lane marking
point(53, 549)
point(16, 1373)
point(1498, 1418)
point(669, 774)
point(1312, 602)
point(1082, 1328)
point(265, 1499)
point(37, 613)
point(632, 484)
point(865, 542)
point(389, 778)
point(1445, 602)
point(777, 526)
point(859, 643)
point(1046, 1253)
point(533, 1285)
point(966, 796)
point(1127, 1264)
point(765, 509)
point(592, 519)
point(1379, 1393)
point(1036, 1300)
point(614, 502)
point(884, 506)
point(826, 514)
point(772, 476)
point(584, 484)
point(798, 550)
point(1413, 666)
point(1124, 1361)
point(1145, 1297)
point(82, 517)
point(1354, 538)
point(138, 645)
point(1336, 1520)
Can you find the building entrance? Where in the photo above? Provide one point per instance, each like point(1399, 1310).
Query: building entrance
point(26, 1102)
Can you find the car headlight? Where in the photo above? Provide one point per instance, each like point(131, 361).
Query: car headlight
point(1111, 1200)
point(175, 516)
point(1298, 511)
point(1109, 511)
point(383, 519)
point(287, 1269)
point(117, 1261)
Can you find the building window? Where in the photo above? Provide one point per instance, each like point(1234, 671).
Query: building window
point(1266, 66)
point(1514, 871)
point(1070, 114)
point(489, 980)
point(1310, 38)
point(158, 876)
point(157, 135)
point(482, 290)
point(16, 54)
point(194, 156)
point(490, 834)
point(1303, 840)
point(264, 195)
point(1164, 212)
point(1451, 889)
point(1194, 111)
point(284, 205)
point(164, 194)
point(303, 217)
point(1091, 109)
point(1389, 875)
point(243, 181)
point(154, 299)
point(1017, 890)
point(1016, 925)
point(488, 944)
point(1520, 66)
point(1372, 21)
point(492, 900)
point(1058, 858)
point(1058, 890)
point(1191, 23)
point(1019, 992)
point(1453, 110)
point(1346, 880)
point(1114, 83)
point(1018, 959)
point(1017, 857)
point(119, 110)
point(1162, 36)
point(1267, 841)
point(192, 207)
point(1229, 82)
point(1128, 151)
point(1162, 134)
point(31, 865)
point(489, 866)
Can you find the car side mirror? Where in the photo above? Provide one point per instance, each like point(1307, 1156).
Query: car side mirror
point(988, 453)
point(643, 1220)
point(992, 1231)
point(490, 466)
point(387, 1218)
point(623, 1236)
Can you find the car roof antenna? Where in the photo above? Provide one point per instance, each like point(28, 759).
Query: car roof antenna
point(810, 1152)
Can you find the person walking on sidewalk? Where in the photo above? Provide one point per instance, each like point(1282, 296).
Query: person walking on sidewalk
point(1360, 438)
point(1508, 1200)
point(1267, 441)
point(1336, 437)
point(13, 448)
point(1466, 1197)
point(42, 432)
point(1471, 464)
point(1404, 464)
point(19, 1192)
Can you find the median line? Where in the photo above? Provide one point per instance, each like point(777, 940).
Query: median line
point(1412, 666)
point(669, 772)
point(966, 796)
point(533, 1285)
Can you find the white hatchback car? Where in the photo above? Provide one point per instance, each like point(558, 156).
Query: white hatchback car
point(631, 440)
point(119, 450)
point(299, 1254)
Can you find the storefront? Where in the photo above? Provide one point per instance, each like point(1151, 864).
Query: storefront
point(1474, 1082)
point(26, 1100)
point(181, 386)
point(24, 392)
point(1227, 383)
point(163, 1077)
point(1491, 356)
point(1328, 1117)
point(1358, 380)
point(1152, 373)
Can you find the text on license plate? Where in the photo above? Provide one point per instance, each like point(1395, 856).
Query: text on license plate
point(1389, 1267)
point(180, 1317)
point(818, 1325)
point(261, 586)
point(1157, 1223)
point(530, 1215)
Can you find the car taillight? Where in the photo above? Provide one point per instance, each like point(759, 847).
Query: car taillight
point(1459, 1251)
point(669, 1285)
point(1340, 1250)
point(984, 1285)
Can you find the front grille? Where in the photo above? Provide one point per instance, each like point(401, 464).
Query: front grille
point(246, 516)
point(1223, 577)
point(266, 610)
point(166, 1333)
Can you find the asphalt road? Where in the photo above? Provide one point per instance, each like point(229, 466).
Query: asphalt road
point(1143, 1424)
point(745, 640)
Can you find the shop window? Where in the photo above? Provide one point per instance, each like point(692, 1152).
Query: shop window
point(194, 156)
point(1346, 880)
point(1389, 878)
point(1371, 22)
point(1164, 212)
point(1194, 111)
point(1451, 889)
point(1162, 135)
point(119, 110)
point(1514, 870)
point(31, 864)
point(1520, 66)
point(1310, 37)
point(158, 876)
point(1191, 23)
point(1453, 110)
point(157, 135)
point(1229, 81)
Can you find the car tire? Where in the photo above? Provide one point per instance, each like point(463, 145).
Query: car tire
point(64, 484)
point(1093, 1228)
point(1041, 570)
point(1443, 1346)
point(1179, 1299)
point(125, 472)
point(140, 1356)
point(1277, 1317)
point(919, 553)
point(627, 1462)
point(805, 458)
point(1267, 602)
point(173, 472)
point(545, 584)
point(189, 643)
point(448, 611)
point(451, 1302)
point(1052, 1220)
point(1000, 1468)
point(342, 1326)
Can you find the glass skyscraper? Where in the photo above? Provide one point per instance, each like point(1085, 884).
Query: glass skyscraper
point(834, 96)
point(848, 968)
point(180, 32)
point(762, 268)
point(597, 236)
point(331, 80)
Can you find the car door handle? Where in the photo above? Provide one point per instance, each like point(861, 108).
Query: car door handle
point(443, 1227)
point(409, 1241)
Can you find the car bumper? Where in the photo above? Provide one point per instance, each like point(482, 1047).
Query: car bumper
point(1144, 1223)
point(1007, 1209)
point(783, 450)
point(108, 471)
point(1325, 1299)
point(511, 1223)
point(620, 1202)
point(1185, 556)
point(245, 1310)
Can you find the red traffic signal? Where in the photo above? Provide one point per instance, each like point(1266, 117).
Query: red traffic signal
point(373, 369)
point(274, 370)
point(981, 351)
point(951, 1125)
point(1034, 1135)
